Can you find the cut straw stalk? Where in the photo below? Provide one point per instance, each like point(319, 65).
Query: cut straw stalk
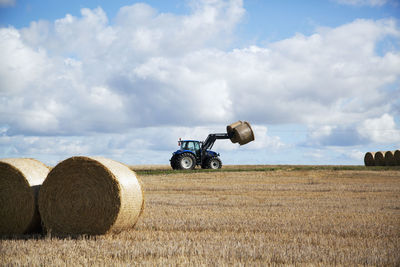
point(20, 180)
point(90, 195)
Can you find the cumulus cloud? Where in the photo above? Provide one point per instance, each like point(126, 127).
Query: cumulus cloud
point(150, 71)
point(381, 130)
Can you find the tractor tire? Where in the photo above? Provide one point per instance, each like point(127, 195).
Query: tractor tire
point(213, 163)
point(174, 162)
point(186, 161)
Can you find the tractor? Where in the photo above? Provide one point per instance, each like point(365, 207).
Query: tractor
point(193, 152)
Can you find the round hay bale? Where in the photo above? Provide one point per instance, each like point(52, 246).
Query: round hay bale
point(369, 159)
point(20, 180)
point(389, 158)
point(244, 133)
point(396, 156)
point(229, 130)
point(90, 195)
point(379, 158)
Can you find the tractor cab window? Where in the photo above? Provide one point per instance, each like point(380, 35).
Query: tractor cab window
point(191, 145)
point(187, 146)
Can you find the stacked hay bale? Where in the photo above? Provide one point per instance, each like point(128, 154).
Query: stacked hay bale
point(397, 157)
point(90, 195)
point(369, 159)
point(20, 180)
point(382, 158)
point(389, 158)
point(379, 158)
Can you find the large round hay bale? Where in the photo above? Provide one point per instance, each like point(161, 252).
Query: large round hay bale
point(379, 158)
point(369, 159)
point(396, 156)
point(389, 158)
point(229, 130)
point(244, 133)
point(20, 180)
point(90, 195)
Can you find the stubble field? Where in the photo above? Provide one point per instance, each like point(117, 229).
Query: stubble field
point(242, 216)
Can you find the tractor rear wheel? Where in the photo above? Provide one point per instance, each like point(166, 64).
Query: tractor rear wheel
point(186, 161)
point(213, 163)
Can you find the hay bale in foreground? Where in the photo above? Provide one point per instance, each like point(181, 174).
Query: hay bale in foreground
point(389, 158)
point(90, 195)
point(369, 159)
point(20, 180)
point(396, 156)
point(379, 158)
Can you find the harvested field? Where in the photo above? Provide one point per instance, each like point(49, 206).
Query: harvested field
point(260, 215)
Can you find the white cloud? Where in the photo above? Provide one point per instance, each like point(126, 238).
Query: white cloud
point(380, 130)
point(7, 3)
point(363, 2)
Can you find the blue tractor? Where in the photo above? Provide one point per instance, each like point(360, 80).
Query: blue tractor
point(192, 152)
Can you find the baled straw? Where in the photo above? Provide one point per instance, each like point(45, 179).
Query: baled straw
point(90, 195)
point(369, 159)
point(20, 180)
point(396, 156)
point(379, 158)
point(389, 158)
point(244, 133)
point(229, 130)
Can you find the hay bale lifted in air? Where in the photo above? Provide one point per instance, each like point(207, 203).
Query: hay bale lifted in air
point(20, 180)
point(369, 159)
point(389, 158)
point(379, 158)
point(230, 130)
point(240, 132)
point(396, 156)
point(90, 195)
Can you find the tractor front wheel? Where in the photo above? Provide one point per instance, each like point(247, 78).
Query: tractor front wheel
point(213, 163)
point(186, 161)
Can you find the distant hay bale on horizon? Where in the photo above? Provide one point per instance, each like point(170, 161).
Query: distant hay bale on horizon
point(389, 158)
point(396, 156)
point(90, 195)
point(379, 158)
point(20, 180)
point(369, 159)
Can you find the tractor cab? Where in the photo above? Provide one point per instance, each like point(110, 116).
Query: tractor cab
point(191, 146)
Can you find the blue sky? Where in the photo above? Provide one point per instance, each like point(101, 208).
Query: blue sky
point(318, 80)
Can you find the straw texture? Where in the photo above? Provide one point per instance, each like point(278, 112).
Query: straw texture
point(90, 195)
point(369, 159)
point(20, 180)
point(379, 158)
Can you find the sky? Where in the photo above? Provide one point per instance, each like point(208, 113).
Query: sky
point(318, 80)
